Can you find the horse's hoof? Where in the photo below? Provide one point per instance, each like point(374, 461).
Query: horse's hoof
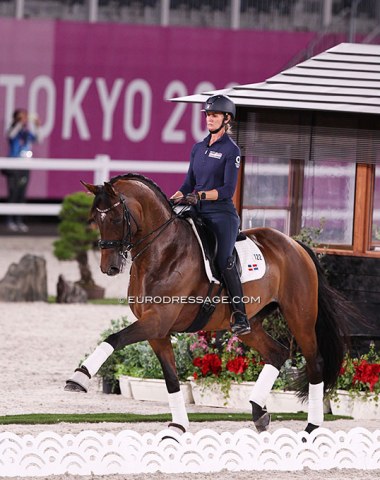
point(74, 387)
point(175, 428)
point(79, 381)
point(310, 427)
point(168, 437)
point(263, 422)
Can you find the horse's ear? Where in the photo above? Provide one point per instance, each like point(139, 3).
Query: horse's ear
point(95, 189)
point(108, 188)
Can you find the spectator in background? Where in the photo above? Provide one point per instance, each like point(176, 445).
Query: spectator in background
point(20, 139)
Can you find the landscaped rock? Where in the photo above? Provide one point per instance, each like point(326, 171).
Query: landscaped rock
point(70, 292)
point(25, 281)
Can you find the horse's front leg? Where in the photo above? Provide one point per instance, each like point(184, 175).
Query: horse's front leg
point(163, 349)
point(80, 380)
point(144, 329)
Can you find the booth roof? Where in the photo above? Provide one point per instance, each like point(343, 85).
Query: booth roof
point(345, 78)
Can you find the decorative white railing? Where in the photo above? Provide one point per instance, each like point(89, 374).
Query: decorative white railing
point(91, 453)
point(102, 166)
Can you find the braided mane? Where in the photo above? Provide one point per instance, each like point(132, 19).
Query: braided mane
point(146, 181)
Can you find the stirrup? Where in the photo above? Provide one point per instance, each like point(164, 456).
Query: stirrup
point(241, 324)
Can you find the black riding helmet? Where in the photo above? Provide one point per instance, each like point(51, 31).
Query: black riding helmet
point(220, 103)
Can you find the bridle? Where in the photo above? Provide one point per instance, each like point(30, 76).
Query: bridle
point(125, 245)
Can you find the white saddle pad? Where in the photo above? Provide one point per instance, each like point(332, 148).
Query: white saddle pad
point(251, 259)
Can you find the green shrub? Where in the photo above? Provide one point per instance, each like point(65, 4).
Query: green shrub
point(77, 236)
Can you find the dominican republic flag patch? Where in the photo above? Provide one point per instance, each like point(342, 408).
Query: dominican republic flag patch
point(252, 267)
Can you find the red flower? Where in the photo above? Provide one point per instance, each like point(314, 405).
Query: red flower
point(213, 363)
point(238, 365)
point(195, 376)
point(210, 363)
point(197, 362)
point(367, 373)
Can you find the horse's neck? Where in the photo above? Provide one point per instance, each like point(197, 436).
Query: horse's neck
point(153, 217)
point(174, 257)
point(151, 224)
point(153, 210)
point(163, 235)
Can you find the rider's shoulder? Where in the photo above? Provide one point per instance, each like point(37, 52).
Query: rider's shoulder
point(231, 144)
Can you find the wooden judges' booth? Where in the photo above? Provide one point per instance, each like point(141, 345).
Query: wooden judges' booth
point(310, 142)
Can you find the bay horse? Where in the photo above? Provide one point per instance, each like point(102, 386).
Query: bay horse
point(135, 218)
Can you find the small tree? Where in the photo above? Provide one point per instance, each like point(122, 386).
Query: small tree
point(77, 236)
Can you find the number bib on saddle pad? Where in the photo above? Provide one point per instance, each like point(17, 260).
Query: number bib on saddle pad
point(251, 259)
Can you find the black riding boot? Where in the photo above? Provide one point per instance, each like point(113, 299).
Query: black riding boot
point(240, 324)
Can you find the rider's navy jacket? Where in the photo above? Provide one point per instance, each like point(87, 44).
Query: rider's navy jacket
point(214, 167)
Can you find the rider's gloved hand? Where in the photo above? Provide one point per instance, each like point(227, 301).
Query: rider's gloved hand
point(191, 199)
point(176, 201)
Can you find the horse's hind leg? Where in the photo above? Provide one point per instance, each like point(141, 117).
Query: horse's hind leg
point(274, 355)
point(164, 351)
point(310, 384)
point(314, 368)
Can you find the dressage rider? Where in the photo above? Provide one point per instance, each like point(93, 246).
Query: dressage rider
point(209, 186)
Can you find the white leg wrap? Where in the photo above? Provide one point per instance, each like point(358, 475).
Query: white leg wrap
point(264, 384)
point(81, 379)
point(178, 409)
point(98, 357)
point(315, 408)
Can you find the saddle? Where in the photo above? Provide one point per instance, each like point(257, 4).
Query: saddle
point(209, 240)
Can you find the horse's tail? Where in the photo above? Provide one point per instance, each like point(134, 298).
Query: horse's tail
point(333, 312)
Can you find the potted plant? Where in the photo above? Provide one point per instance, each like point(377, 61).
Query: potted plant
point(358, 387)
point(140, 373)
point(224, 370)
point(77, 237)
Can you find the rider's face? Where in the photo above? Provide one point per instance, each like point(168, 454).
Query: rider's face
point(214, 120)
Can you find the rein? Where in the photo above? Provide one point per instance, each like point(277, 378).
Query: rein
point(127, 242)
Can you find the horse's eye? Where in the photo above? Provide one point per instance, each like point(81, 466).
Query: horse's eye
point(117, 221)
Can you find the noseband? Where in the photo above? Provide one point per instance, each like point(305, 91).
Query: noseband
point(126, 244)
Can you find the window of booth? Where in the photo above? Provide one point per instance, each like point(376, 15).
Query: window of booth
point(265, 195)
point(328, 201)
point(273, 144)
point(313, 170)
point(299, 173)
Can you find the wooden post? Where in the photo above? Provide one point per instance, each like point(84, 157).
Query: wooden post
point(363, 207)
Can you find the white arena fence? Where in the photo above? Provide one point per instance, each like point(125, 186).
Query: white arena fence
point(128, 452)
point(101, 166)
